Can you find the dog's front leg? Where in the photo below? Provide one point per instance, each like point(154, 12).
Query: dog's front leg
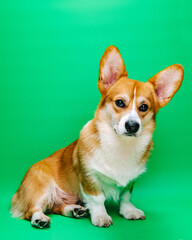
point(97, 210)
point(127, 209)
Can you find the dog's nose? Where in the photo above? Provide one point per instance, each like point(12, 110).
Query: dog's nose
point(131, 127)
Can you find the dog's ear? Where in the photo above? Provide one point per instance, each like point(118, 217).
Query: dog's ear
point(167, 82)
point(111, 69)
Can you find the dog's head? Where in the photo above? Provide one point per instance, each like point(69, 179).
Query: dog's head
point(130, 105)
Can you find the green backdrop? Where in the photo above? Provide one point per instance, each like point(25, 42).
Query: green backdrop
point(49, 58)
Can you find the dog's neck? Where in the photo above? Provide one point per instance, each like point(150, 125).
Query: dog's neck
point(117, 157)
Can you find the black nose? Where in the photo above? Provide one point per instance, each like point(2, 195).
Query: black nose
point(131, 127)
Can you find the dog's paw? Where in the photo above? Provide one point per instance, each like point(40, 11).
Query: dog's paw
point(102, 220)
point(76, 211)
point(133, 214)
point(40, 220)
point(80, 212)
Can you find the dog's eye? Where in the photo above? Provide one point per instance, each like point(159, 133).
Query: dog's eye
point(120, 103)
point(143, 108)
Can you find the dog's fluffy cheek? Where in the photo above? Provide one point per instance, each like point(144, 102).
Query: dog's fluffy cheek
point(148, 118)
point(111, 116)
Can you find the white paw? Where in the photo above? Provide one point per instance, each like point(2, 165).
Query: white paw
point(101, 220)
point(133, 214)
point(76, 211)
point(80, 212)
point(40, 220)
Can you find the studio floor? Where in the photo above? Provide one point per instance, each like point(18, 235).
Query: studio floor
point(168, 217)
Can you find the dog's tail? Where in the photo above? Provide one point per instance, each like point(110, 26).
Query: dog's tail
point(17, 209)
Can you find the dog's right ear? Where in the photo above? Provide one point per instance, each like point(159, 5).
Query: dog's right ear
point(111, 69)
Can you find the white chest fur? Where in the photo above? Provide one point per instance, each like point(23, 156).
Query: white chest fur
point(118, 157)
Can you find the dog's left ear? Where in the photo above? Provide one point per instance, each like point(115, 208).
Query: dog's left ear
point(111, 69)
point(167, 82)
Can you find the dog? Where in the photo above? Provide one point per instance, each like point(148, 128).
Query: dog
point(109, 155)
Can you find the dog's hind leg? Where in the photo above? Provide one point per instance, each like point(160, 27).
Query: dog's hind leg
point(36, 215)
point(35, 196)
point(39, 219)
point(32, 211)
point(71, 210)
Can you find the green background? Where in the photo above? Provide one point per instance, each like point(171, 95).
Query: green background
point(49, 58)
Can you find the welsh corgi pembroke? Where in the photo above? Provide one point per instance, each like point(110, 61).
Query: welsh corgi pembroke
point(111, 152)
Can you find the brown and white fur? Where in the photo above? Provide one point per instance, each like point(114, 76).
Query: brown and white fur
point(105, 159)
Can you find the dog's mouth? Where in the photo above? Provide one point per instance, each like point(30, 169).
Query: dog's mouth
point(130, 135)
point(125, 134)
